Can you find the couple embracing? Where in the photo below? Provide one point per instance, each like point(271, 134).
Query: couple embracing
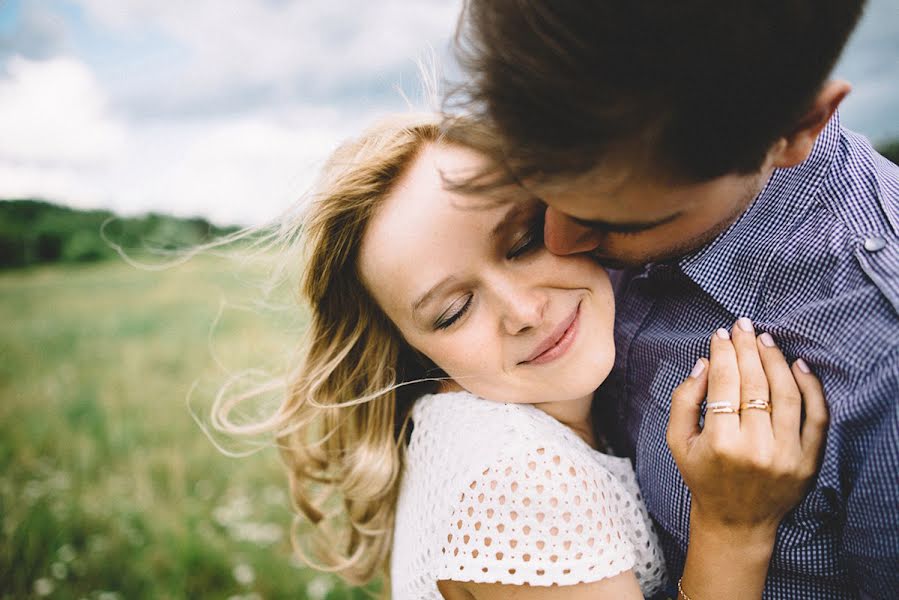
point(484, 411)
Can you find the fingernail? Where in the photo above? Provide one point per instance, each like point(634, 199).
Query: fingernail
point(722, 333)
point(803, 366)
point(767, 340)
point(698, 368)
point(744, 324)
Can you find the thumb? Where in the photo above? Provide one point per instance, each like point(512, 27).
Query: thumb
point(683, 423)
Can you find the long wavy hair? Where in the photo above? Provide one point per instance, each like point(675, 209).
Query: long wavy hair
point(343, 424)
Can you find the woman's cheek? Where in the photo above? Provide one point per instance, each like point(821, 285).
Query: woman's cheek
point(461, 355)
point(577, 270)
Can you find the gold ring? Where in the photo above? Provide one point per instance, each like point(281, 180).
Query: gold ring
point(759, 404)
point(721, 408)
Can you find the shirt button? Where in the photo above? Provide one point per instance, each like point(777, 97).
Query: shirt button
point(873, 243)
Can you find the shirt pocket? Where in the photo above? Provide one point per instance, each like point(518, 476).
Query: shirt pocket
point(667, 497)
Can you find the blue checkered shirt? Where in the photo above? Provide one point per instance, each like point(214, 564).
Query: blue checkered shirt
point(815, 262)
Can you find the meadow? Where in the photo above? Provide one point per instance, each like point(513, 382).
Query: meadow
point(109, 489)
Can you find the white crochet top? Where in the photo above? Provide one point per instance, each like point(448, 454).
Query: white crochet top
point(495, 492)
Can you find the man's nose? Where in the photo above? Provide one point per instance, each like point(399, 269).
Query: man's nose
point(564, 236)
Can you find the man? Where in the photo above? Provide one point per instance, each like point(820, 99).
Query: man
point(697, 146)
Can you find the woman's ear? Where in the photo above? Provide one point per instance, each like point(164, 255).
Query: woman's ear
point(795, 147)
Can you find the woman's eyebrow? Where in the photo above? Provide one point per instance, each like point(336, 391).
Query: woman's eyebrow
point(624, 226)
point(515, 210)
point(429, 295)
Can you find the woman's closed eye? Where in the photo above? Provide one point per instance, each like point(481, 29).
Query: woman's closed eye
point(530, 240)
point(453, 313)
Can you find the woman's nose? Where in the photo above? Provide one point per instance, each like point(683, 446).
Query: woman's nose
point(563, 236)
point(524, 308)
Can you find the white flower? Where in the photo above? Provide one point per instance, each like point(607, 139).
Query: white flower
point(318, 588)
point(244, 574)
point(59, 570)
point(66, 553)
point(261, 534)
point(44, 587)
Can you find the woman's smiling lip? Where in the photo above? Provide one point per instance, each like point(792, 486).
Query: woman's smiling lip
point(558, 342)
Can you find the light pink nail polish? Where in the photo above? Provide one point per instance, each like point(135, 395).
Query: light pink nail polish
point(744, 324)
point(767, 340)
point(722, 333)
point(803, 366)
point(698, 368)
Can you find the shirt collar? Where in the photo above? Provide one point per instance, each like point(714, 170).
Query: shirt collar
point(731, 267)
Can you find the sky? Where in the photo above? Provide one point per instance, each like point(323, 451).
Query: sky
point(226, 109)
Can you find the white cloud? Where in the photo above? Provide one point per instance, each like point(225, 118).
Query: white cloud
point(103, 125)
point(60, 142)
point(286, 49)
point(54, 111)
point(227, 109)
point(246, 169)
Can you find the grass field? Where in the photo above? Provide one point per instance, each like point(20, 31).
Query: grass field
point(108, 488)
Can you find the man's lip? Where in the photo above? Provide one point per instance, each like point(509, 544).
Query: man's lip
point(554, 337)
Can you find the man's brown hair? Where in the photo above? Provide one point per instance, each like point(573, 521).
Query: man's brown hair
point(687, 90)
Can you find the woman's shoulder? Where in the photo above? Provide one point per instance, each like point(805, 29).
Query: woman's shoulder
point(460, 423)
point(526, 500)
point(544, 513)
point(461, 418)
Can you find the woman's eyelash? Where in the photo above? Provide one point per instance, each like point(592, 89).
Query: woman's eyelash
point(454, 317)
point(531, 240)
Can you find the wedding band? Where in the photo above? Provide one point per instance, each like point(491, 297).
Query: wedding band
point(721, 408)
point(759, 404)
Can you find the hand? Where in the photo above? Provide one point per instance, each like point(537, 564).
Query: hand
point(747, 468)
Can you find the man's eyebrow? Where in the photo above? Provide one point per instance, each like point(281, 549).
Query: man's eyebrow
point(625, 226)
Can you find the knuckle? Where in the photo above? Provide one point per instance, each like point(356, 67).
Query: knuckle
point(817, 418)
point(724, 448)
point(670, 439)
point(723, 377)
point(762, 459)
point(755, 389)
point(790, 397)
point(806, 471)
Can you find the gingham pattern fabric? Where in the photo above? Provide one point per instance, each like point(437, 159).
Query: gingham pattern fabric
point(815, 262)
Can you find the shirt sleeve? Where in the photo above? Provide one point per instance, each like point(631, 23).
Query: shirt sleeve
point(871, 534)
point(540, 517)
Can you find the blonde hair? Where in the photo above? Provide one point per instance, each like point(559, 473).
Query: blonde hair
point(342, 427)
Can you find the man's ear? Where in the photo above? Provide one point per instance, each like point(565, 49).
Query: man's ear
point(795, 147)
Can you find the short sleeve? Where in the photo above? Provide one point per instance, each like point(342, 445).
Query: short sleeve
point(541, 516)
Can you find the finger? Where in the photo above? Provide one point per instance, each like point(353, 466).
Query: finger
point(724, 386)
point(814, 427)
point(686, 400)
point(786, 400)
point(753, 382)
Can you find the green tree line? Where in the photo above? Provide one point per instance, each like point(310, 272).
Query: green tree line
point(34, 232)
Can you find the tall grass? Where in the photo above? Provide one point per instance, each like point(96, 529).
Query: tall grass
point(108, 488)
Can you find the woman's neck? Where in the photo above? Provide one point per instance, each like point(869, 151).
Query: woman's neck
point(575, 414)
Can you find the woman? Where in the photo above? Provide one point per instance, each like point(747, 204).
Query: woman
point(439, 428)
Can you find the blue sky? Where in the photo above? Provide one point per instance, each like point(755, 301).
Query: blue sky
point(227, 109)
